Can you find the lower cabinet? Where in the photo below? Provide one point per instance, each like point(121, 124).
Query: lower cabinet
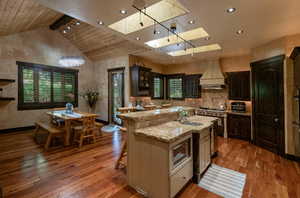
point(180, 178)
point(205, 154)
point(239, 126)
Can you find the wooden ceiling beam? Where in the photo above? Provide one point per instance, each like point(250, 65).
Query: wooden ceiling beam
point(65, 19)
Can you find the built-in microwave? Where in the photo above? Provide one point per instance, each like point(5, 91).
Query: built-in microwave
point(180, 152)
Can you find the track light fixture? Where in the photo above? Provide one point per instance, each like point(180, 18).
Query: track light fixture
point(141, 22)
point(171, 29)
point(154, 31)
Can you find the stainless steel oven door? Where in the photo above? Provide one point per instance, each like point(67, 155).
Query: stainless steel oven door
point(180, 152)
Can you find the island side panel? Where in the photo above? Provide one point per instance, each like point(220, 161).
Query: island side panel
point(147, 164)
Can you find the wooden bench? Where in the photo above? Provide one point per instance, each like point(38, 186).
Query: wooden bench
point(53, 131)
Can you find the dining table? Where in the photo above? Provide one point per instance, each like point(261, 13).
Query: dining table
point(69, 118)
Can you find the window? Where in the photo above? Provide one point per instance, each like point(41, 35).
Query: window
point(175, 86)
point(192, 86)
point(42, 86)
point(157, 86)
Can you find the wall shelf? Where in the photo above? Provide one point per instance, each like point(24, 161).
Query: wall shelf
point(7, 80)
point(6, 98)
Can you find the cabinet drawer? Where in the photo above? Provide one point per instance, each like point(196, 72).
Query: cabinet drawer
point(179, 179)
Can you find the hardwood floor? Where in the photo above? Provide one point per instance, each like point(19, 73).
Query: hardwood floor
point(27, 171)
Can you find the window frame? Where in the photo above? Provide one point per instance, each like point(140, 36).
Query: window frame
point(162, 86)
point(51, 69)
point(175, 76)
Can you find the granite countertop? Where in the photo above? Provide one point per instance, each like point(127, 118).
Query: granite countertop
point(152, 114)
point(174, 130)
point(239, 113)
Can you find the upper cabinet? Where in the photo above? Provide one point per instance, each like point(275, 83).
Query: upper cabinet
point(192, 86)
point(140, 80)
point(239, 85)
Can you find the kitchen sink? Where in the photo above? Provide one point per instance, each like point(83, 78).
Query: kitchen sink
point(191, 123)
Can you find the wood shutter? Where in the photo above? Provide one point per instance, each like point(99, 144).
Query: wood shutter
point(42, 86)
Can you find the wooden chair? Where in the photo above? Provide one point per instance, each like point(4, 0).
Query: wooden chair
point(99, 127)
point(150, 107)
point(86, 131)
point(164, 106)
point(53, 132)
point(123, 152)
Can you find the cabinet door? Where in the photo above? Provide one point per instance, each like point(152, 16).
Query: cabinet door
point(192, 86)
point(239, 85)
point(205, 158)
point(239, 127)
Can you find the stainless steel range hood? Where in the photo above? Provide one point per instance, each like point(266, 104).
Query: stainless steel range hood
point(213, 77)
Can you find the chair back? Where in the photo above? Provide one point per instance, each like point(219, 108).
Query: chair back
point(150, 107)
point(126, 109)
point(88, 125)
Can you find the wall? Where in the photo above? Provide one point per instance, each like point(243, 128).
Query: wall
point(159, 68)
point(101, 82)
point(39, 46)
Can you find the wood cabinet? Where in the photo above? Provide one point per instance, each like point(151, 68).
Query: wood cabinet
point(239, 85)
point(239, 126)
point(205, 154)
point(192, 86)
point(140, 78)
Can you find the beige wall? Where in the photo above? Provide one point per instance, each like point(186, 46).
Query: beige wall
point(101, 81)
point(39, 46)
point(159, 68)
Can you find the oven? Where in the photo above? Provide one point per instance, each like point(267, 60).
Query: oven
point(180, 152)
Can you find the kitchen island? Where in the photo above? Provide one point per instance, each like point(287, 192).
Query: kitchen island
point(161, 158)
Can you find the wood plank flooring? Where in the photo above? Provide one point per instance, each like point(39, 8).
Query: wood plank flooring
point(27, 171)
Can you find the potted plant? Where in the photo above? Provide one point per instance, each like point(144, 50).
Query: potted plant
point(91, 97)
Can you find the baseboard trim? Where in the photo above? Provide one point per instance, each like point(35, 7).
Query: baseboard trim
point(292, 157)
point(102, 121)
point(12, 130)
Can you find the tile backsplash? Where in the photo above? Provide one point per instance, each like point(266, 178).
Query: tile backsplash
point(209, 98)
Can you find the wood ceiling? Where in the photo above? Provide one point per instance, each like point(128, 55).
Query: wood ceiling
point(23, 15)
point(97, 43)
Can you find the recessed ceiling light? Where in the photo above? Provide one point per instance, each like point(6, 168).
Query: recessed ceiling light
point(191, 22)
point(231, 10)
point(100, 22)
point(137, 38)
point(123, 11)
point(77, 23)
point(239, 32)
point(157, 32)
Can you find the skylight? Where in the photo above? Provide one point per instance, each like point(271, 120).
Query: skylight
point(189, 35)
point(205, 48)
point(161, 11)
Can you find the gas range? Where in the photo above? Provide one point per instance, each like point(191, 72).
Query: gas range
point(211, 112)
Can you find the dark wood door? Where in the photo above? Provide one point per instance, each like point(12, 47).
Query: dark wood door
point(268, 103)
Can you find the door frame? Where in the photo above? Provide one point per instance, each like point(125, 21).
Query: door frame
point(109, 72)
point(279, 58)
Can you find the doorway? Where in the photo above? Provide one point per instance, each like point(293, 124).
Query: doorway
point(115, 93)
point(268, 104)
